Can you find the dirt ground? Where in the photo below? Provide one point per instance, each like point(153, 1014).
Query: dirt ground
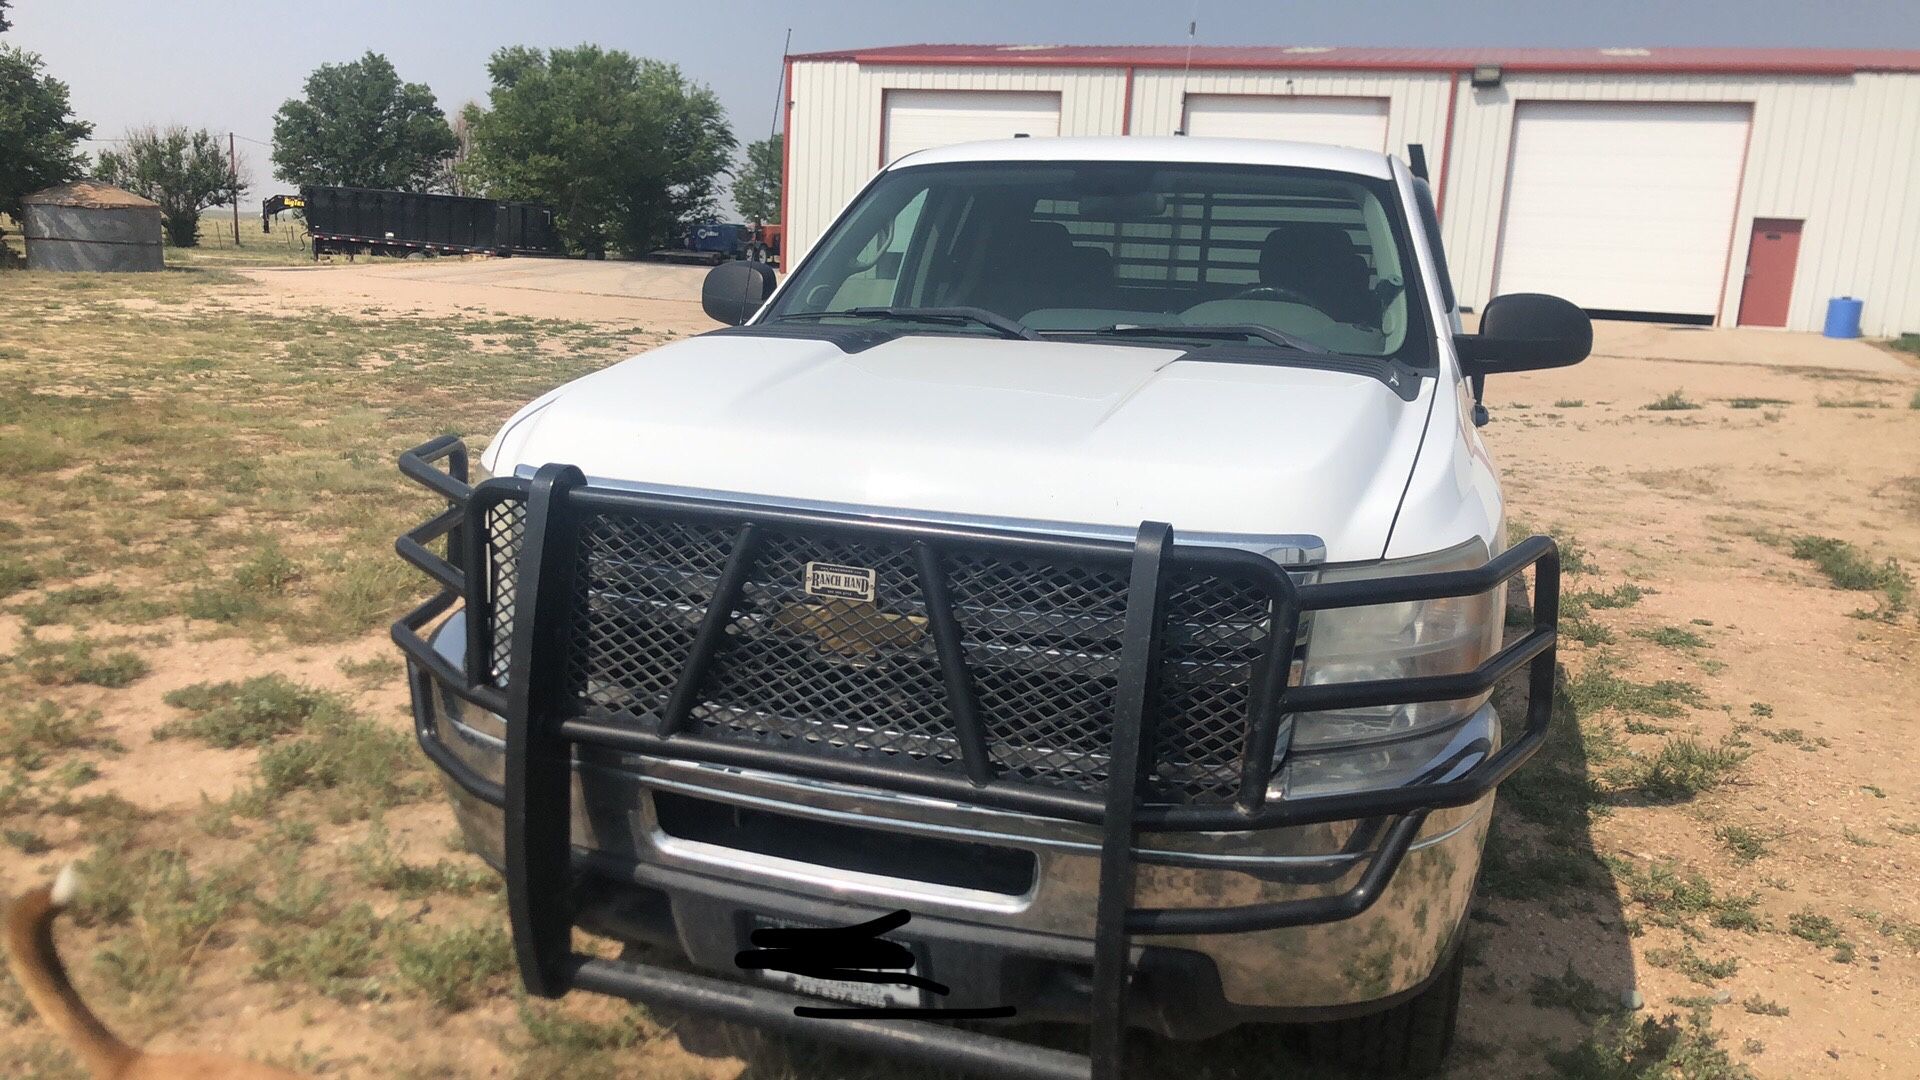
point(1714, 879)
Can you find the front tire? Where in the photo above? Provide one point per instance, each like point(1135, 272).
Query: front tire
point(1409, 1040)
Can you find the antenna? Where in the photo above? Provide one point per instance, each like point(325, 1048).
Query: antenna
point(1193, 26)
point(780, 86)
point(759, 242)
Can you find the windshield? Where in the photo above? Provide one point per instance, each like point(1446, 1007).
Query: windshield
point(1298, 258)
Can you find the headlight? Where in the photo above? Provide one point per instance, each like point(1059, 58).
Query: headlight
point(1391, 641)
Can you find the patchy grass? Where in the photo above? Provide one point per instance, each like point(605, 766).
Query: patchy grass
point(1537, 872)
point(249, 713)
point(1672, 637)
point(176, 414)
point(25, 841)
point(1756, 402)
point(79, 660)
point(1568, 403)
point(1625, 1048)
point(1904, 931)
point(30, 736)
point(336, 954)
point(1745, 844)
point(1620, 596)
point(563, 1045)
point(1682, 768)
point(352, 766)
point(1847, 567)
point(1695, 967)
point(455, 968)
point(373, 671)
point(1676, 898)
point(376, 865)
point(1811, 926)
point(1797, 738)
point(169, 915)
point(1673, 401)
point(1760, 1006)
point(1600, 687)
point(1573, 992)
point(16, 574)
point(74, 605)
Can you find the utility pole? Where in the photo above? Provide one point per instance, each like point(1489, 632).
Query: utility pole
point(233, 166)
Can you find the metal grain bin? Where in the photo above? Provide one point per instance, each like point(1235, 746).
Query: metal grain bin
point(88, 225)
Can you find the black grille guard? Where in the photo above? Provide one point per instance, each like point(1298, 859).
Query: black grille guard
point(544, 718)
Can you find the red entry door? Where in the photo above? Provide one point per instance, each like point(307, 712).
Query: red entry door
point(1771, 257)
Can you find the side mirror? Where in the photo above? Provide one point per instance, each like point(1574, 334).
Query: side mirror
point(1524, 332)
point(733, 291)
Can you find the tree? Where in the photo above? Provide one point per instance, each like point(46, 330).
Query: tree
point(360, 126)
point(756, 191)
point(4, 24)
point(626, 149)
point(39, 138)
point(184, 171)
point(453, 175)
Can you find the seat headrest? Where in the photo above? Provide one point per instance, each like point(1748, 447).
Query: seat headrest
point(1305, 243)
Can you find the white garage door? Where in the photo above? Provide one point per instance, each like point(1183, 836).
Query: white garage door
point(1357, 122)
point(922, 119)
point(1623, 207)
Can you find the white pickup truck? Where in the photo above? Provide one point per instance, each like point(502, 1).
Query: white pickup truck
point(1080, 582)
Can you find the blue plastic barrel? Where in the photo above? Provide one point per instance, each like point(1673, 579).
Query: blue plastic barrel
point(1843, 317)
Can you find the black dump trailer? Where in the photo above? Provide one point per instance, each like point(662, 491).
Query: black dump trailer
point(378, 222)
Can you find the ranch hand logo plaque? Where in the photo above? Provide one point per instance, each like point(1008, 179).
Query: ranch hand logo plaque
point(842, 582)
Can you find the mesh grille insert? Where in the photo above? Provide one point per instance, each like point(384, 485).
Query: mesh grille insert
point(851, 677)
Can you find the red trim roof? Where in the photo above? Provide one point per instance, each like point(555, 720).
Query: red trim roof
point(1648, 60)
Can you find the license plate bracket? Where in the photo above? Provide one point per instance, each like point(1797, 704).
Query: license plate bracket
point(854, 993)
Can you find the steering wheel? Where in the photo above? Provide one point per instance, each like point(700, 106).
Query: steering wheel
point(1275, 292)
point(881, 241)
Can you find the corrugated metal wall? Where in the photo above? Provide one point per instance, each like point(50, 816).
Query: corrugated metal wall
point(1841, 153)
point(836, 118)
point(1416, 103)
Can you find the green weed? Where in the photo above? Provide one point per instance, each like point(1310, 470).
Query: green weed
point(30, 736)
point(1625, 1048)
point(1672, 637)
point(337, 957)
point(1823, 932)
point(1673, 401)
point(1847, 567)
point(454, 968)
point(254, 712)
point(1746, 844)
point(1682, 768)
point(1694, 966)
point(79, 659)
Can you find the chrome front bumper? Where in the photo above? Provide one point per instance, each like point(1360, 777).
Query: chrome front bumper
point(1309, 971)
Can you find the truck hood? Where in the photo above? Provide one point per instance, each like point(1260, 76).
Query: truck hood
point(937, 425)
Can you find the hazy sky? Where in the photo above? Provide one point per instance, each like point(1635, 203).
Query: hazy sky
point(227, 64)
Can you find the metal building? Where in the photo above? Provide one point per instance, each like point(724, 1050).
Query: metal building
point(88, 225)
point(1723, 186)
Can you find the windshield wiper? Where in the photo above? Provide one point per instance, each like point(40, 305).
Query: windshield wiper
point(1006, 327)
point(1231, 331)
